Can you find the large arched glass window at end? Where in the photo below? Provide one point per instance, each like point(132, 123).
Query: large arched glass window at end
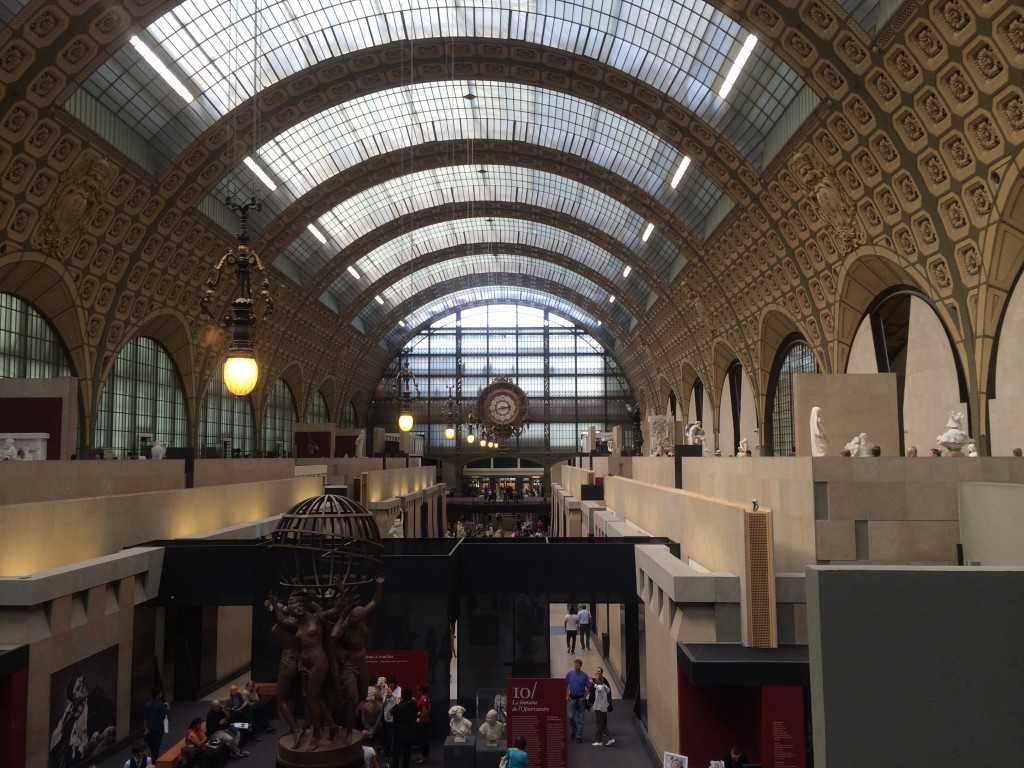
point(279, 422)
point(795, 357)
point(225, 422)
point(142, 401)
point(29, 347)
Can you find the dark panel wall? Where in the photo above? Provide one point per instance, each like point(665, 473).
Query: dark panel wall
point(34, 414)
point(916, 667)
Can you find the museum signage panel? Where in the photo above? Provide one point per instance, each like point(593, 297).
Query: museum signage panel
point(537, 710)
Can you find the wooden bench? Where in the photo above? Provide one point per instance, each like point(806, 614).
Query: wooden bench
point(268, 695)
point(169, 758)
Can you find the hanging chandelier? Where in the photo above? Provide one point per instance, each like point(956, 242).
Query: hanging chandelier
point(241, 371)
point(400, 387)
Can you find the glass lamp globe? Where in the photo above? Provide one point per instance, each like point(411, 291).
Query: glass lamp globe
point(240, 375)
point(405, 421)
point(449, 432)
point(470, 438)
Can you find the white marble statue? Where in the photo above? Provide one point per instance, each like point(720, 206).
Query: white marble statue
point(819, 438)
point(460, 530)
point(397, 530)
point(695, 434)
point(661, 434)
point(492, 729)
point(361, 444)
point(860, 445)
point(743, 447)
point(9, 451)
point(460, 726)
point(158, 451)
point(972, 450)
point(955, 437)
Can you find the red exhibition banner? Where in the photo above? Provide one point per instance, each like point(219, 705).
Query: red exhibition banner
point(537, 711)
point(410, 668)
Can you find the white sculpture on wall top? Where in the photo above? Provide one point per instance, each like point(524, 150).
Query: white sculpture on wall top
point(743, 447)
point(695, 434)
point(9, 451)
point(860, 445)
point(972, 450)
point(158, 451)
point(819, 437)
point(661, 440)
point(397, 529)
point(955, 437)
point(361, 444)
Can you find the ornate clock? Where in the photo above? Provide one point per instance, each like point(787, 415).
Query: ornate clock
point(503, 407)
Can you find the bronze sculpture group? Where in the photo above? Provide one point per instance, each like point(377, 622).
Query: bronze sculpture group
point(326, 648)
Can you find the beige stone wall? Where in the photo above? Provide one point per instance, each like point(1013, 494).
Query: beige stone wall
point(992, 523)
point(22, 482)
point(45, 535)
point(783, 484)
point(850, 404)
point(226, 471)
point(655, 470)
point(907, 509)
point(384, 484)
point(573, 478)
point(660, 684)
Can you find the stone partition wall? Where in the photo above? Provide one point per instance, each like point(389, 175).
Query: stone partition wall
point(23, 482)
point(850, 404)
point(393, 482)
point(47, 535)
point(785, 484)
point(227, 471)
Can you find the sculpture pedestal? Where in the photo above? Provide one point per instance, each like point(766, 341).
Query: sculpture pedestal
point(461, 754)
point(343, 751)
point(489, 757)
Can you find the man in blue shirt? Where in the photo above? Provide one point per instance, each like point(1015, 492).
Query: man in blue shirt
point(577, 686)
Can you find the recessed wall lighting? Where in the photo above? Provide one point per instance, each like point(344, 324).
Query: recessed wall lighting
point(379, 299)
point(627, 270)
point(317, 234)
point(683, 165)
point(648, 231)
point(352, 271)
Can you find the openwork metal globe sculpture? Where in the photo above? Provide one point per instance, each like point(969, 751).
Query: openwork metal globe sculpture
point(325, 544)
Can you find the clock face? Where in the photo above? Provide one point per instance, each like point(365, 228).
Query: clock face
point(502, 408)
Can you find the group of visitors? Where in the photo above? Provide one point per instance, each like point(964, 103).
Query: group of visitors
point(583, 693)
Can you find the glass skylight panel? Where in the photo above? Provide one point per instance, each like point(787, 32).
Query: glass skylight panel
point(516, 268)
point(380, 205)
point(209, 42)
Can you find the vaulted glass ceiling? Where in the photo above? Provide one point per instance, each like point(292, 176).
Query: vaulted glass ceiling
point(483, 264)
point(460, 189)
point(487, 233)
point(463, 112)
point(677, 47)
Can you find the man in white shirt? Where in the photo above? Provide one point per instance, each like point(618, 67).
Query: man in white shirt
point(572, 626)
point(584, 617)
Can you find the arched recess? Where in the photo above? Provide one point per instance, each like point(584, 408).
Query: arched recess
point(54, 295)
point(1003, 419)
point(721, 420)
point(688, 376)
point(869, 274)
point(672, 405)
point(776, 327)
point(794, 355)
point(903, 333)
point(737, 407)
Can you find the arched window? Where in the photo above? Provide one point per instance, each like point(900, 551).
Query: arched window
point(316, 413)
point(225, 422)
point(348, 419)
point(279, 421)
point(142, 400)
point(29, 347)
point(557, 365)
point(796, 357)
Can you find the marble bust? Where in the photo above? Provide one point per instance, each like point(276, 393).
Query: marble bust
point(460, 726)
point(492, 729)
point(819, 438)
point(158, 451)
